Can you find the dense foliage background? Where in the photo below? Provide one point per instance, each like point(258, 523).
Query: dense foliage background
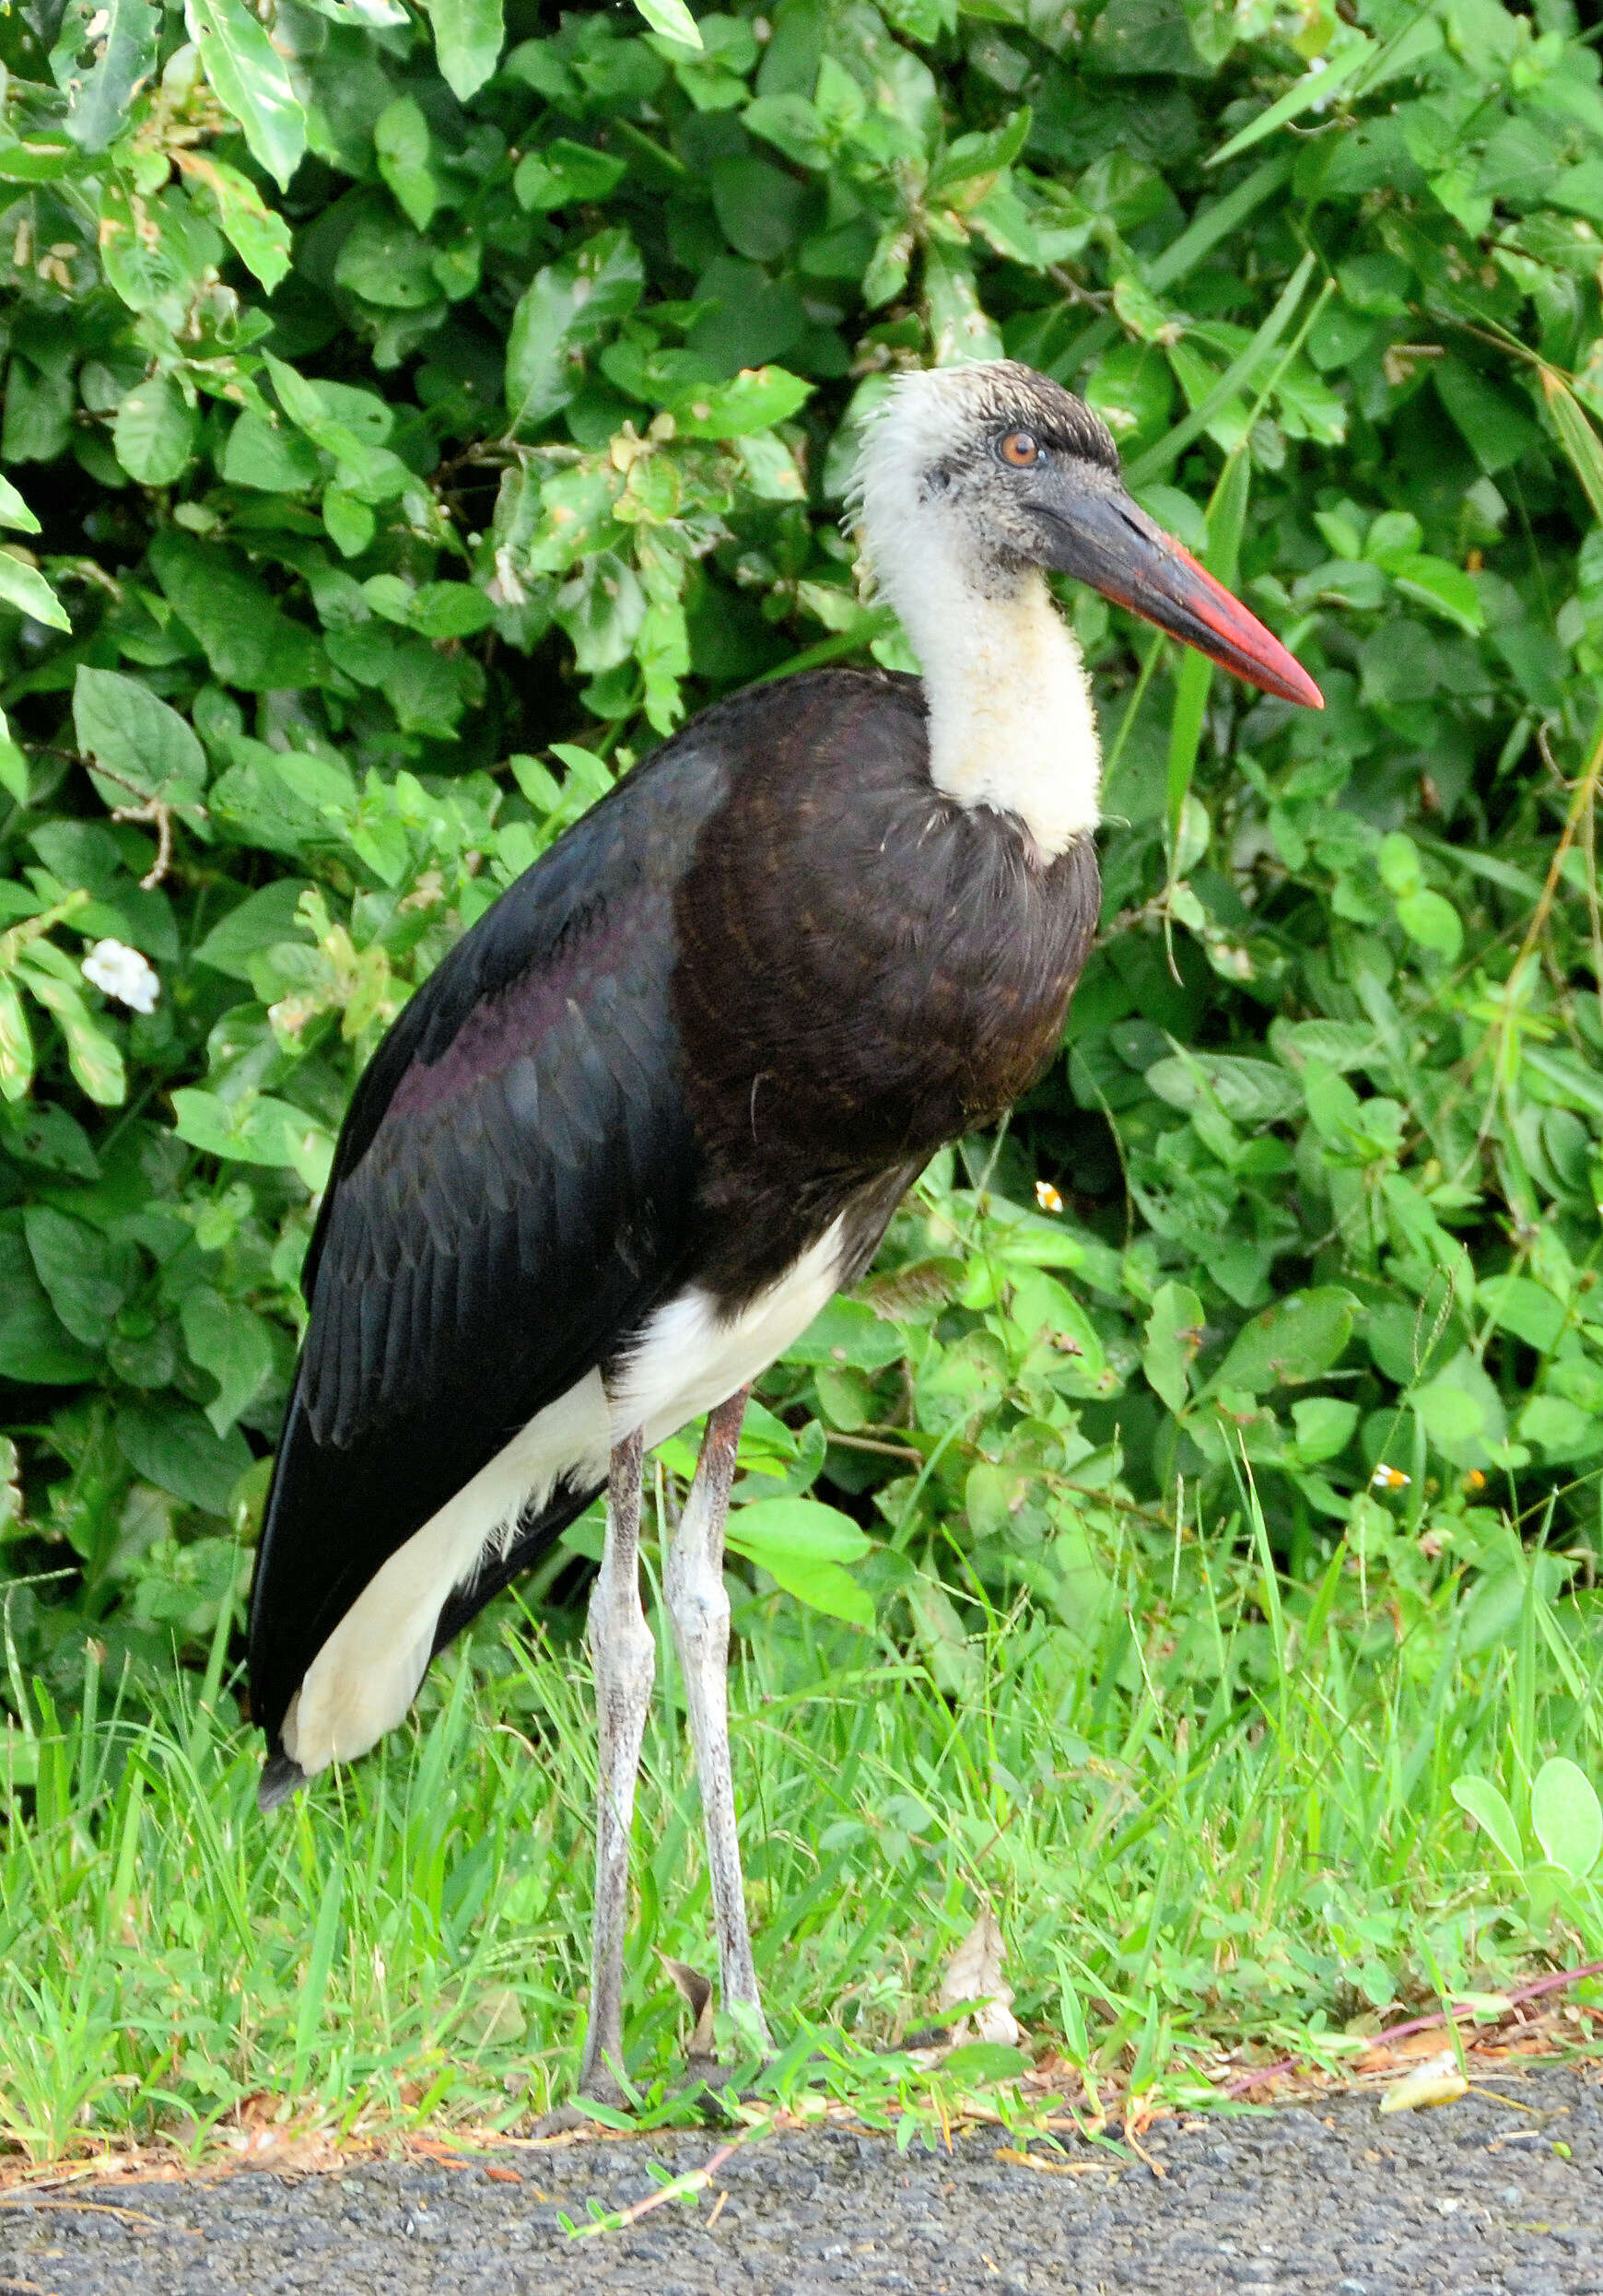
point(408, 423)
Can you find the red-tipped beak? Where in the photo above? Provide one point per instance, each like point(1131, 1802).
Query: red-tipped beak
point(1108, 541)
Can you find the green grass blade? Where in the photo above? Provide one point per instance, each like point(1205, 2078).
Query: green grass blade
point(1242, 368)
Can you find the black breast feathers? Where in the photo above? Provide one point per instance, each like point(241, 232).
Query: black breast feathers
point(865, 967)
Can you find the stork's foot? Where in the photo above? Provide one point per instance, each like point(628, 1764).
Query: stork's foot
point(599, 2086)
point(561, 2121)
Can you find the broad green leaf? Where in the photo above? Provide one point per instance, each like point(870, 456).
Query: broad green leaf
point(225, 1338)
point(1431, 919)
point(803, 1545)
point(251, 80)
point(800, 1528)
point(401, 144)
point(123, 33)
point(959, 1382)
point(258, 234)
point(672, 19)
point(602, 609)
point(1339, 1044)
point(1324, 1426)
point(1563, 1429)
point(1496, 427)
point(1445, 589)
point(155, 254)
point(847, 1333)
point(960, 327)
point(771, 469)
point(565, 312)
point(24, 587)
point(350, 525)
point(754, 400)
point(956, 1666)
point(975, 161)
point(1174, 1331)
point(13, 511)
point(1251, 1092)
point(1141, 312)
point(94, 1058)
point(1565, 1817)
point(1579, 440)
point(443, 611)
point(1135, 38)
point(1133, 391)
point(245, 634)
point(86, 1279)
point(256, 1129)
point(1529, 1310)
point(1461, 1411)
point(1290, 1343)
point(1063, 1346)
point(155, 431)
point(172, 1445)
point(1398, 862)
point(364, 15)
point(124, 726)
point(385, 261)
point(269, 915)
point(759, 206)
point(266, 454)
point(468, 36)
point(793, 126)
point(35, 1345)
point(1581, 1088)
point(562, 173)
point(14, 776)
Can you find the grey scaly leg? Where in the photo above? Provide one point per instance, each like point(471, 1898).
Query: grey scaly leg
point(693, 1583)
point(625, 1655)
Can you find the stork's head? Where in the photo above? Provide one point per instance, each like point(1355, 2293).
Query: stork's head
point(1003, 470)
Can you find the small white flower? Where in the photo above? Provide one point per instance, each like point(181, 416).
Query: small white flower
point(123, 973)
point(506, 590)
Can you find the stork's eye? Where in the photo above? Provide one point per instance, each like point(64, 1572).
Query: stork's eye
point(1019, 449)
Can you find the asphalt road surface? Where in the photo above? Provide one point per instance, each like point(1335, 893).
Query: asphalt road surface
point(1477, 2198)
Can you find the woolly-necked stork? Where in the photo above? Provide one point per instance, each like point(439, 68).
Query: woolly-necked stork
point(660, 1102)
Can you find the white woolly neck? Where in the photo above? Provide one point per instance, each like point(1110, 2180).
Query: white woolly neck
point(1011, 724)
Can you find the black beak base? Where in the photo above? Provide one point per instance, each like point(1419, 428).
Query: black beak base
point(1105, 539)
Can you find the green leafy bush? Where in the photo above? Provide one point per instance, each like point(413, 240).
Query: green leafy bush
point(409, 422)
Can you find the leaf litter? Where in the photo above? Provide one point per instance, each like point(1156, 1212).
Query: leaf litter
point(1498, 2038)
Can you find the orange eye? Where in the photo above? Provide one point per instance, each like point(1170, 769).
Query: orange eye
point(1020, 448)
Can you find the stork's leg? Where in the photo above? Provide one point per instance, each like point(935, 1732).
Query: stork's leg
point(625, 1655)
point(698, 1607)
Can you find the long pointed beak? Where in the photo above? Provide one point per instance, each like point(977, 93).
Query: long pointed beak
point(1108, 541)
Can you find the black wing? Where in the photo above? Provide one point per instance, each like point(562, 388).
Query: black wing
point(512, 1192)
